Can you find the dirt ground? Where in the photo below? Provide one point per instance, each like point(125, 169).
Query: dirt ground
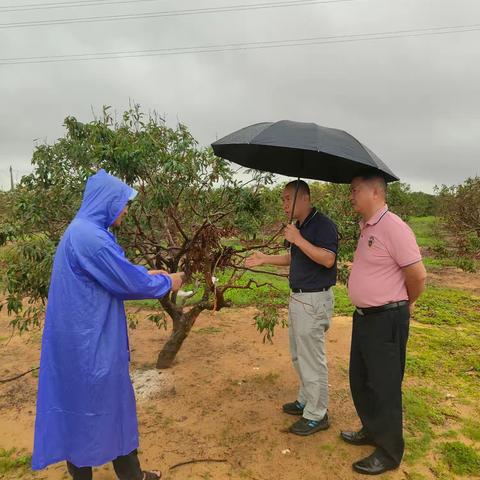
point(451, 277)
point(221, 401)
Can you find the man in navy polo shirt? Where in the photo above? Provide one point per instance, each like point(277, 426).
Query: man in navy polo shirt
point(313, 270)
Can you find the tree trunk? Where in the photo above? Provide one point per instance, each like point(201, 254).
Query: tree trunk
point(181, 329)
point(182, 324)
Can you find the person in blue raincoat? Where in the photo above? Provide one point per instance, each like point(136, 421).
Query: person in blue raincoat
point(86, 410)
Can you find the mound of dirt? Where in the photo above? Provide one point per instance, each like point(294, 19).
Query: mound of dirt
point(152, 383)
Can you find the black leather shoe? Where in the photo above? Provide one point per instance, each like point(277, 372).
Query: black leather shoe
point(357, 438)
point(305, 427)
point(373, 465)
point(293, 408)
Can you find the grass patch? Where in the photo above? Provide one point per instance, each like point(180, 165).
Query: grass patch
point(471, 429)
point(14, 461)
point(449, 434)
point(423, 410)
point(448, 356)
point(149, 304)
point(277, 293)
point(415, 476)
point(460, 458)
point(446, 350)
point(447, 306)
point(417, 446)
point(328, 447)
point(435, 263)
point(343, 306)
point(438, 263)
point(267, 379)
point(207, 330)
point(444, 358)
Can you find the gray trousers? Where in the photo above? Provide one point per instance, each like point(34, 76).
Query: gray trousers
point(310, 315)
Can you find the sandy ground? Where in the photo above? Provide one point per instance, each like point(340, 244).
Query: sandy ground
point(452, 277)
point(220, 401)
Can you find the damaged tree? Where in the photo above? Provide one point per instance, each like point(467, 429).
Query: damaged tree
point(190, 215)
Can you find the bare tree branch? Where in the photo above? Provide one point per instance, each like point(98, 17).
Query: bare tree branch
point(283, 275)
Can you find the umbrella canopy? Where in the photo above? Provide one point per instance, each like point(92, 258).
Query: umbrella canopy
point(299, 149)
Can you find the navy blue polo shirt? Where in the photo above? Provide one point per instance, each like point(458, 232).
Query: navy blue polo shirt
point(306, 274)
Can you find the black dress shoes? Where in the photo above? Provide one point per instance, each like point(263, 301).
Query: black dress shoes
point(375, 464)
point(357, 438)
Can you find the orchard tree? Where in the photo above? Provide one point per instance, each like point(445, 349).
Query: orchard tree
point(5, 227)
point(459, 208)
point(260, 210)
point(424, 204)
point(400, 200)
point(406, 203)
point(189, 215)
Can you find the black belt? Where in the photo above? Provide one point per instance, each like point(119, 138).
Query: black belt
point(381, 308)
point(310, 290)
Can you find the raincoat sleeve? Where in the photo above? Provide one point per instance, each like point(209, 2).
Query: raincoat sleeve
point(124, 280)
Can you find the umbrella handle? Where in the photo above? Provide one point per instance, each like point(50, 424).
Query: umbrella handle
point(286, 243)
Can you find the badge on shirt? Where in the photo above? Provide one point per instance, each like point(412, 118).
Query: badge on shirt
point(371, 240)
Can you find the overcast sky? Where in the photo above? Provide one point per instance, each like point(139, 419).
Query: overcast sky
point(414, 101)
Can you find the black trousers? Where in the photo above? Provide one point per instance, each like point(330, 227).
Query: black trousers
point(127, 467)
point(377, 366)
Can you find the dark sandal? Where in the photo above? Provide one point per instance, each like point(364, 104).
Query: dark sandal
point(151, 476)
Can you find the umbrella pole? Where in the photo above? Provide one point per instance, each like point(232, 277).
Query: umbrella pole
point(286, 243)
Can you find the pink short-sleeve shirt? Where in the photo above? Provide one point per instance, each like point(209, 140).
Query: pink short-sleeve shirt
point(386, 245)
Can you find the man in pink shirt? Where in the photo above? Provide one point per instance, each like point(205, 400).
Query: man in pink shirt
point(386, 279)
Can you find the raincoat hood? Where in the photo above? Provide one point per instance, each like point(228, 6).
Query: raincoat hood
point(105, 196)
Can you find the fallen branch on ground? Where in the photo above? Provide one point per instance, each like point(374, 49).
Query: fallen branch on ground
point(213, 460)
point(6, 380)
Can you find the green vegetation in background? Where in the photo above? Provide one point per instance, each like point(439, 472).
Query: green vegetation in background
point(3, 265)
point(466, 264)
point(278, 295)
point(426, 230)
point(458, 208)
point(406, 203)
point(431, 235)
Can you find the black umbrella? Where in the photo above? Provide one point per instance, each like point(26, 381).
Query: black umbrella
point(299, 149)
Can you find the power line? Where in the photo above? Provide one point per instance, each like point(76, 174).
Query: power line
point(48, 6)
point(169, 13)
point(245, 45)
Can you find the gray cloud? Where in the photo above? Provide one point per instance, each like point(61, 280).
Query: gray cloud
point(414, 101)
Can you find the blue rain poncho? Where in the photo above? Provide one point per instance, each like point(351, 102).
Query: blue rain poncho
point(86, 406)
